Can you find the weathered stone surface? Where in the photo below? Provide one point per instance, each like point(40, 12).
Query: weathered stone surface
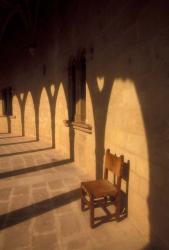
point(43, 212)
point(70, 224)
point(5, 194)
point(55, 185)
point(45, 241)
point(40, 195)
point(45, 223)
point(19, 202)
point(23, 191)
point(17, 237)
point(3, 207)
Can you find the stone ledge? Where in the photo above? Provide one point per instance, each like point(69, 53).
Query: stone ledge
point(8, 116)
point(87, 128)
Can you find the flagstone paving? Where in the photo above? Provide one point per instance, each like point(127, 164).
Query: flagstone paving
point(40, 203)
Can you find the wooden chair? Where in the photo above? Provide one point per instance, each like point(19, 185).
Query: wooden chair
point(102, 190)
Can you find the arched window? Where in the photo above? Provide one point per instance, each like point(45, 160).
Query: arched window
point(72, 89)
point(7, 101)
point(77, 89)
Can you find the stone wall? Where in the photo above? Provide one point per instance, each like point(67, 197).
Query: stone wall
point(127, 45)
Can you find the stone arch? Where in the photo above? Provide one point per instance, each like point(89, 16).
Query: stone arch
point(16, 122)
point(30, 128)
point(125, 134)
point(45, 131)
point(61, 131)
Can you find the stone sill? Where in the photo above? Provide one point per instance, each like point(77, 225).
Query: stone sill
point(79, 126)
point(8, 116)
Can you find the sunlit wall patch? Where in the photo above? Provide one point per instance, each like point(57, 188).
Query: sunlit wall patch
point(100, 83)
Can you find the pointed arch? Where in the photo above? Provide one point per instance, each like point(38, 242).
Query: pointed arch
point(30, 129)
point(45, 131)
point(62, 138)
point(125, 134)
point(16, 123)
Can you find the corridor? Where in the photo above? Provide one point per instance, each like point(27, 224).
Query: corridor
point(40, 203)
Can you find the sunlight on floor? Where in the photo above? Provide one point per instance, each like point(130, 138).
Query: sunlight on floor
point(39, 195)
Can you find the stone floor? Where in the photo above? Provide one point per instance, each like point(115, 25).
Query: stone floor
point(40, 205)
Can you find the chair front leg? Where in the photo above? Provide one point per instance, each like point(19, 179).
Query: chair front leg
point(91, 205)
point(82, 199)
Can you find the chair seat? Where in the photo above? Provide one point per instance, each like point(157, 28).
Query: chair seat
point(99, 188)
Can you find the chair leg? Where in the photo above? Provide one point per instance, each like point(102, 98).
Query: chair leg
point(91, 211)
point(105, 200)
point(82, 200)
point(117, 208)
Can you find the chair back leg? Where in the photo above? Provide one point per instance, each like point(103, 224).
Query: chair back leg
point(91, 206)
point(117, 204)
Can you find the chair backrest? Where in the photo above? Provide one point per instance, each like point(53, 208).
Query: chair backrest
point(114, 164)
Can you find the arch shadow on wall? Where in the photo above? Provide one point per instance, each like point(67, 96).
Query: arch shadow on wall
point(98, 94)
point(36, 108)
point(158, 224)
point(152, 92)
